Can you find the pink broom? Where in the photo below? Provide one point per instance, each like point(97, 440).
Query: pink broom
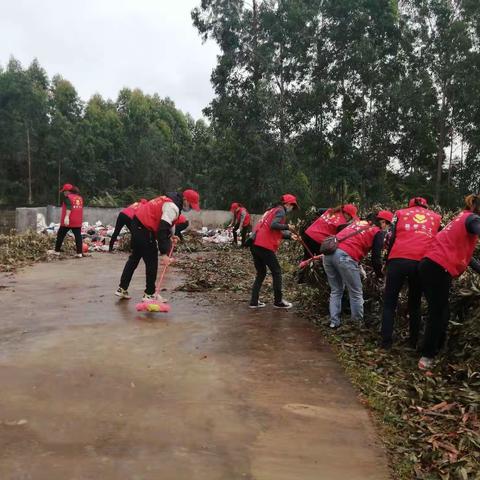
point(157, 305)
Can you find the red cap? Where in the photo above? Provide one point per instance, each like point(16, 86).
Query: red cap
point(193, 198)
point(234, 206)
point(421, 202)
point(385, 215)
point(67, 187)
point(350, 209)
point(289, 198)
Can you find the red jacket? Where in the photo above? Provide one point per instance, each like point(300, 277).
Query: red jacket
point(150, 213)
point(453, 247)
point(264, 235)
point(325, 226)
point(359, 245)
point(238, 216)
point(415, 230)
point(76, 212)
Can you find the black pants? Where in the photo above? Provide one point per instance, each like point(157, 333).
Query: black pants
point(62, 233)
point(122, 220)
point(399, 270)
point(436, 283)
point(263, 258)
point(144, 246)
point(243, 234)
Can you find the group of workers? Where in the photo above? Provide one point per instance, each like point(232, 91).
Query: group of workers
point(416, 248)
point(154, 226)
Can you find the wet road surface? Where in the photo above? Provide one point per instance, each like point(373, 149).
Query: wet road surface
point(90, 389)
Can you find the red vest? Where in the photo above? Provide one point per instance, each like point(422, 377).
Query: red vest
point(359, 245)
point(76, 213)
point(150, 213)
point(325, 226)
point(238, 216)
point(453, 246)
point(415, 229)
point(131, 209)
point(266, 237)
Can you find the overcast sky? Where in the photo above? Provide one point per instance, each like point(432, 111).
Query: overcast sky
point(102, 46)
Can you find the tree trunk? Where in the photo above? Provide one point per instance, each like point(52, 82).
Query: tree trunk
point(29, 162)
point(449, 178)
point(441, 148)
point(59, 178)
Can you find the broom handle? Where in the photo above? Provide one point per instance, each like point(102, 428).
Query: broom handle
point(164, 270)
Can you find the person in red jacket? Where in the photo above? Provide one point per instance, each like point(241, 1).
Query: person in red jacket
point(241, 222)
point(448, 256)
point(343, 266)
point(267, 236)
point(124, 219)
point(153, 223)
point(71, 219)
point(330, 222)
point(411, 234)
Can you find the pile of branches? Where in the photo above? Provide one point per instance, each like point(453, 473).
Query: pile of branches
point(23, 249)
point(220, 268)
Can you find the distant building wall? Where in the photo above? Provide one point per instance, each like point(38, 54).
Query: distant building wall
point(26, 218)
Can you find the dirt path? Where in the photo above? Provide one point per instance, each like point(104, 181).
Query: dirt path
point(92, 390)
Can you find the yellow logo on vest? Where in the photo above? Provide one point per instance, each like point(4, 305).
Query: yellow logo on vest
point(419, 218)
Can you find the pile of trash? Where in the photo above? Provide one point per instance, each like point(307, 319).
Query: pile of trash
point(96, 237)
point(216, 235)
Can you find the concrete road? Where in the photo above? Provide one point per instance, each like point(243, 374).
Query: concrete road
point(211, 391)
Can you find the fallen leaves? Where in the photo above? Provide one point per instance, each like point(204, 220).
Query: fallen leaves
point(18, 250)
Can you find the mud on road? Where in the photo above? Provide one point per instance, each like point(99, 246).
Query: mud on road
point(211, 391)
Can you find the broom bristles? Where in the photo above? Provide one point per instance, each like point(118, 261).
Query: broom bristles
point(153, 307)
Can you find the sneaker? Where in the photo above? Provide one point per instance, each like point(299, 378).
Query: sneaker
point(156, 297)
point(425, 363)
point(333, 325)
point(283, 304)
point(258, 305)
point(79, 255)
point(53, 252)
point(122, 293)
